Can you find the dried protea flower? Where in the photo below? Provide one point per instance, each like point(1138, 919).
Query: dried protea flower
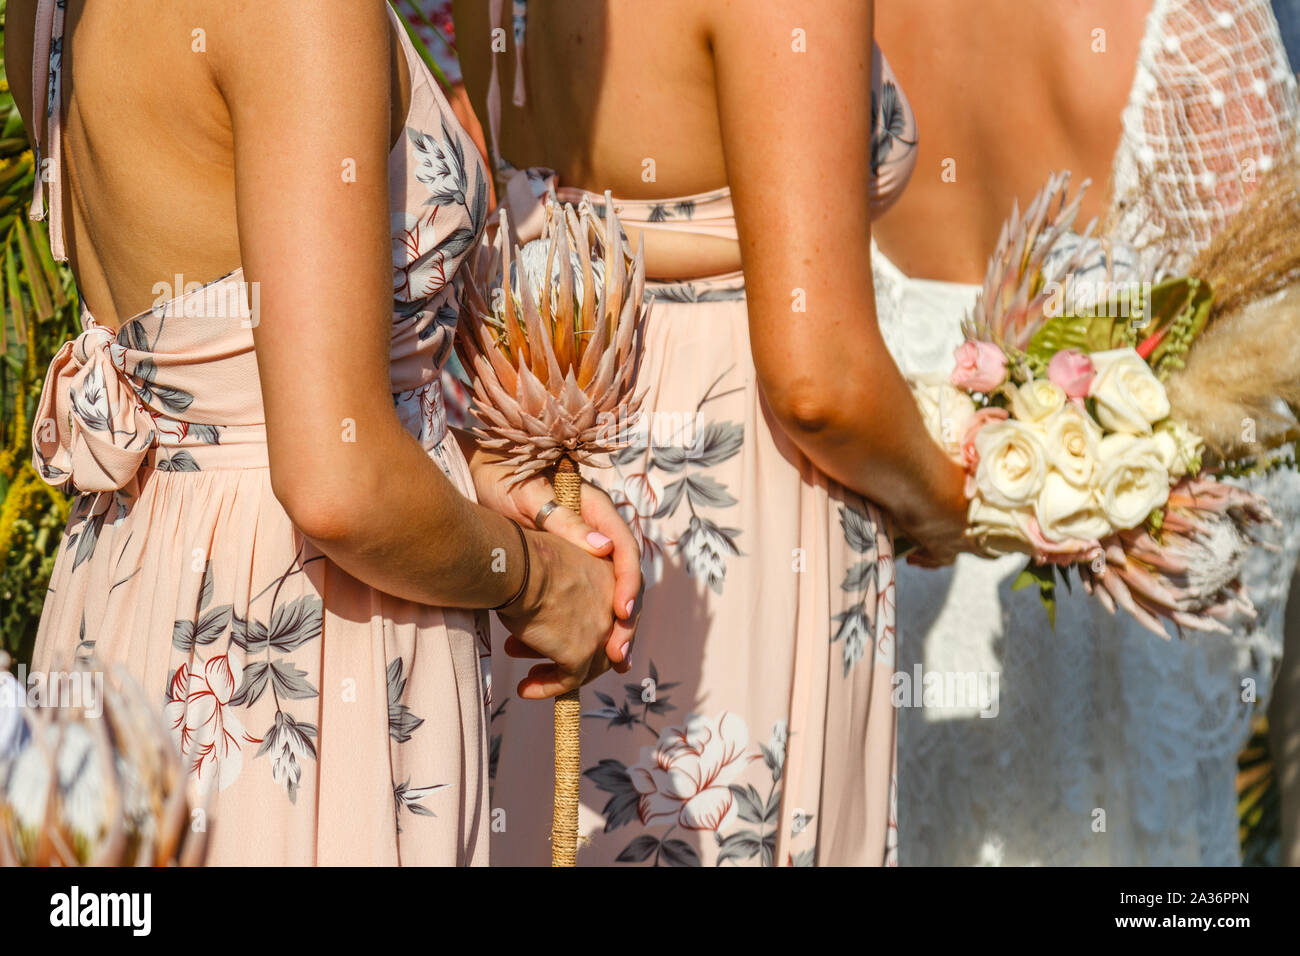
point(1042, 270)
point(89, 776)
point(1012, 305)
point(550, 337)
point(1189, 570)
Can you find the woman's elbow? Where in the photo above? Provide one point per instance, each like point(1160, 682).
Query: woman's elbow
point(809, 409)
point(318, 506)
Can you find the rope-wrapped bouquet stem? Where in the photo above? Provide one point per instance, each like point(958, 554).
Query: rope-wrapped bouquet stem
point(550, 336)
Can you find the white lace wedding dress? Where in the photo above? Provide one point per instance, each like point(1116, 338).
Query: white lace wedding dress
point(1109, 745)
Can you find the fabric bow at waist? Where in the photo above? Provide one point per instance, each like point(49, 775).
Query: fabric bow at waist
point(90, 427)
point(96, 427)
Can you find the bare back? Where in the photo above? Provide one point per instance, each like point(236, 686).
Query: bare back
point(1005, 92)
point(649, 132)
point(596, 123)
point(148, 147)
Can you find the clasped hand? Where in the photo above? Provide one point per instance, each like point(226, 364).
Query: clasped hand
point(579, 610)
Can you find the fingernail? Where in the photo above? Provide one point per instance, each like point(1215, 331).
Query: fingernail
point(597, 540)
point(627, 611)
point(625, 650)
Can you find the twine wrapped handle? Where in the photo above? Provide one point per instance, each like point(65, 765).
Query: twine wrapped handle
point(568, 750)
point(554, 364)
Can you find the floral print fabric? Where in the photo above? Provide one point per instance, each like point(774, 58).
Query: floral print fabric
point(324, 722)
point(755, 727)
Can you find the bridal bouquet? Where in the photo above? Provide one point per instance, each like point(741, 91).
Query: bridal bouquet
point(1095, 407)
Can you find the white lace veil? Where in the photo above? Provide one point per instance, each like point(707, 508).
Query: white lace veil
point(1214, 106)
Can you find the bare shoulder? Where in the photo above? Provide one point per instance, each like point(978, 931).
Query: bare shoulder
point(281, 55)
point(793, 59)
point(796, 20)
point(20, 37)
point(259, 37)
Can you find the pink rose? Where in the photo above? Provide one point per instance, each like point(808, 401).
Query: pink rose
point(971, 457)
point(1064, 553)
point(1073, 371)
point(981, 366)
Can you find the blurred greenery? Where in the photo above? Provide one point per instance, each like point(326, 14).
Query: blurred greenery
point(418, 25)
point(40, 314)
point(1259, 802)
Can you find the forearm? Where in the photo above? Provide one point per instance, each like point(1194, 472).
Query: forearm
point(859, 423)
point(390, 517)
point(317, 248)
point(799, 149)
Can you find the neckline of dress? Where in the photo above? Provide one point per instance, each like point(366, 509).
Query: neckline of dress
point(716, 195)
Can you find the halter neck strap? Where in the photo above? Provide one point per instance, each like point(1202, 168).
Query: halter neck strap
point(519, 24)
point(47, 103)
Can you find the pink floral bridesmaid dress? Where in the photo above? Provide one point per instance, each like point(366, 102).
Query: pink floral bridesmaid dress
point(756, 726)
point(327, 722)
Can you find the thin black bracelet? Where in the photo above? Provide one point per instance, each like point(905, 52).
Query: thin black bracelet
point(528, 569)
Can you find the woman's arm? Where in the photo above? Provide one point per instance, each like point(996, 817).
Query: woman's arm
point(797, 138)
point(307, 86)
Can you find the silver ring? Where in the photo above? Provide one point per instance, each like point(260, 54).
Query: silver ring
point(544, 512)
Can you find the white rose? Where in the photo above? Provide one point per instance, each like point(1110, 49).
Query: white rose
point(1070, 437)
point(1036, 400)
point(996, 530)
point(1180, 448)
point(1129, 397)
point(946, 411)
point(1012, 464)
point(1132, 481)
point(1066, 511)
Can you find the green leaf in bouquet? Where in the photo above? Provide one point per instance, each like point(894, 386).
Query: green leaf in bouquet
point(1087, 333)
point(1155, 522)
point(1286, 457)
point(1044, 575)
point(1176, 315)
point(1161, 321)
